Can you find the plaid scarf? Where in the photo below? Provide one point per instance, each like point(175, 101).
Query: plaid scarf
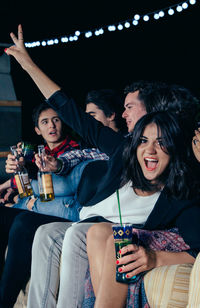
point(67, 145)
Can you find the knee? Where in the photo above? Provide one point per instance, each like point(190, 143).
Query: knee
point(46, 235)
point(40, 237)
point(19, 227)
point(99, 232)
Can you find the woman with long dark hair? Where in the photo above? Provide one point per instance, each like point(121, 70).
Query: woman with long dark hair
point(158, 193)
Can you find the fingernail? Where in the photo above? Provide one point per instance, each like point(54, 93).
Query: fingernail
point(119, 269)
point(127, 276)
point(117, 262)
point(5, 50)
point(119, 251)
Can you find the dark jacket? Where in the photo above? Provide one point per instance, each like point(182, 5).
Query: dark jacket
point(100, 179)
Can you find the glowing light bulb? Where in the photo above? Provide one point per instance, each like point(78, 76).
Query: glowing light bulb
point(171, 11)
point(146, 18)
point(137, 17)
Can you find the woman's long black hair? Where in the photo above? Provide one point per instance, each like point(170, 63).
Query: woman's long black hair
point(179, 177)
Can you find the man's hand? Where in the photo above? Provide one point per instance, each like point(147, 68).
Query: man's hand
point(12, 165)
point(51, 163)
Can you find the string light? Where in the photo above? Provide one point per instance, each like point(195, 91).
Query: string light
point(170, 10)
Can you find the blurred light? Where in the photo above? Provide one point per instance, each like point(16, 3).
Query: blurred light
point(135, 22)
point(137, 17)
point(111, 28)
point(185, 5)
point(120, 27)
point(88, 34)
point(146, 18)
point(161, 14)
point(64, 39)
point(127, 24)
point(179, 8)
point(156, 16)
point(74, 37)
point(170, 11)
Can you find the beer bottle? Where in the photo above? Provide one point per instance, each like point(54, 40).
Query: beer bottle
point(21, 177)
point(45, 183)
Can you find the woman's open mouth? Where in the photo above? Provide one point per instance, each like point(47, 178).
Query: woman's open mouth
point(150, 163)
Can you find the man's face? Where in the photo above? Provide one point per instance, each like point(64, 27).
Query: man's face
point(50, 127)
point(98, 114)
point(134, 110)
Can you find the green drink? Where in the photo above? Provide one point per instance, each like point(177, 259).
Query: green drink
point(123, 236)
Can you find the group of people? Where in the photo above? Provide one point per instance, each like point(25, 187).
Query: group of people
point(152, 165)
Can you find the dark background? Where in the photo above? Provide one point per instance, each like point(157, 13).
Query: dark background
point(166, 49)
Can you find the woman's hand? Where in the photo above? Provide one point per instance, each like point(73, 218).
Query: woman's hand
point(51, 163)
point(196, 144)
point(137, 261)
point(18, 51)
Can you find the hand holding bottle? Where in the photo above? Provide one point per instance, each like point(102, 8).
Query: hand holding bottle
point(45, 182)
point(12, 165)
point(20, 174)
point(51, 163)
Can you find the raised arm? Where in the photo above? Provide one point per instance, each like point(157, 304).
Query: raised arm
point(19, 52)
point(91, 130)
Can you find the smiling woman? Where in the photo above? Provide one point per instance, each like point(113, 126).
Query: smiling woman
point(156, 155)
point(157, 172)
point(150, 154)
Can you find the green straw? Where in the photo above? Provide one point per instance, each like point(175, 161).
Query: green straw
point(120, 216)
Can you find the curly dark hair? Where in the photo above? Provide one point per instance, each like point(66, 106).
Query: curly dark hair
point(178, 178)
point(109, 101)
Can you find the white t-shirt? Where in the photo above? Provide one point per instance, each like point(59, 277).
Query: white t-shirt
point(134, 209)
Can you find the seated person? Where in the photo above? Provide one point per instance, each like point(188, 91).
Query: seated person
point(111, 143)
point(153, 165)
point(104, 105)
point(58, 141)
point(17, 227)
point(162, 199)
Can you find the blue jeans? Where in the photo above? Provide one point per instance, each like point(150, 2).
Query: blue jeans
point(48, 277)
point(65, 204)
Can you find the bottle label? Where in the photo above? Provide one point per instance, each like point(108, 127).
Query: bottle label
point(47, 183)
point(19, 184)
point(25, 179)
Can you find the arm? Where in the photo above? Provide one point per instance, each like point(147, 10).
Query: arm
point(68, 160)
point(86, 126)
point(18, 51)
point(73, 158)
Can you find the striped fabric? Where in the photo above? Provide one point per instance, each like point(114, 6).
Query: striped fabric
point(167, 286)
point(194, 290)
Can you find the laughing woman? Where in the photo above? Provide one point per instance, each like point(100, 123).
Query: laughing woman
point(161, 193)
